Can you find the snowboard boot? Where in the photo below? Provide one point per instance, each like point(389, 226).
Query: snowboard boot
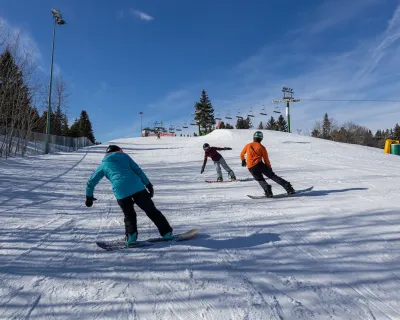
point(168, 236)
point(268, 192)
point(289, 189)
point(219, 179)
point(130, 239)
point(233, 178)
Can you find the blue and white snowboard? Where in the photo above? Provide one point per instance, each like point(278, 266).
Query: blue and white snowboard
point(112, 245)
point(282, 195)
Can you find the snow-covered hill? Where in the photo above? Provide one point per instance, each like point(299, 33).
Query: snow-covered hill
point(333, 253)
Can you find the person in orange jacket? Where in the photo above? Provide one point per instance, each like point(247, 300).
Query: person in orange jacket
point(255, 154)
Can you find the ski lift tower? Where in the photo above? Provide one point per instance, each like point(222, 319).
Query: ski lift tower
point(195, 122)
point(287, 97)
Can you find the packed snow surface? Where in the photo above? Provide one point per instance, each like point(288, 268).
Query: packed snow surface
point(332, 253)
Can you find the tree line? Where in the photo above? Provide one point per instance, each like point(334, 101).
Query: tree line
point(204, 116)
point(22, 97)
point(328, 128)
point(352, 133)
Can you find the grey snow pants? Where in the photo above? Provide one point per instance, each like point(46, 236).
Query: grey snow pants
point(222, 163)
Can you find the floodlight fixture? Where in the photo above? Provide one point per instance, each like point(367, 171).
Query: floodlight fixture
point(55, 11)
point(57, 20)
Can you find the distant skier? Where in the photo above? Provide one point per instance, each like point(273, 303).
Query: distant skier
point(158, 135)
point(255, 152)
point(130, 185)
point(219, 161)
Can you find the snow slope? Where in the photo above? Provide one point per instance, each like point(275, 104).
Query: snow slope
point(333, 253)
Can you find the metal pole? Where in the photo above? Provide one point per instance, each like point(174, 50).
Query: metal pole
point(50, 87)
point(288, 115)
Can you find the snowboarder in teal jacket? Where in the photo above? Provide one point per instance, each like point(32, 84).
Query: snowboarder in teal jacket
point(130, 185)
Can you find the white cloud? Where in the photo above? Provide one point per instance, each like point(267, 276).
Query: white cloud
point(366, 71)
point(20, 38)
point(332, 14)
point(141, 15)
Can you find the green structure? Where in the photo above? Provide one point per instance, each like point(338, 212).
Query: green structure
point(395, 149)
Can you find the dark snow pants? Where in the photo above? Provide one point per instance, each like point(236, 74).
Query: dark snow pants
point(143, 200)
point(261, 169)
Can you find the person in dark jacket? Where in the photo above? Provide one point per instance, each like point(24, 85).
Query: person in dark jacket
point(130, 185)
point(219, 161)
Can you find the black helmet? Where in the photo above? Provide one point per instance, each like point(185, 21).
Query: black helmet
point(258, 136)
point(113, 148)
point(206, 146)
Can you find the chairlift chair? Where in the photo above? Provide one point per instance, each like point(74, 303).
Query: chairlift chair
point(228, 115)
point(276, 110)
point(178, 128)
point(238, 115)
point(185, 125)
point(251, 113)
point(263, 112)
point(218, 116)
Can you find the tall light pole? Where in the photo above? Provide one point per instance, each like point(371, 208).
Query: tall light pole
point(287, 97)
point(141, 126)
point(57, 17)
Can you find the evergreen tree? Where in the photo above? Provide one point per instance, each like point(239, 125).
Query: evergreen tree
point(397, 131)
point(222, 125)
point(204, 112)
point(85, 126)
point(14, 94)
point(74, 131)
point(64, 125)
point(57, 123)
point(271, 124)
point(43, 122)
point(240, 123)
point(248, 124)
point(228, 126)
point(260, 126)
point(326, 127)
point(281, 124)
point(315, 133)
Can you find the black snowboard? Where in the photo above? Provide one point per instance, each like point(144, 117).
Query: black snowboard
point(282, 195)
point(120, 244)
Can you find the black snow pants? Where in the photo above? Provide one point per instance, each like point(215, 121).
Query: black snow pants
point(143, 200)
point(261, 169)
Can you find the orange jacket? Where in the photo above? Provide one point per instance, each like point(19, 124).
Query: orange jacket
point(255, 152)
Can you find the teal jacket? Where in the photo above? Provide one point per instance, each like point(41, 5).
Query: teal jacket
point(124, 174)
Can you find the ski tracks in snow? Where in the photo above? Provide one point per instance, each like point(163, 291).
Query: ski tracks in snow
point(367, 294)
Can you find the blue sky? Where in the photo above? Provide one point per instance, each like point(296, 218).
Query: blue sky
point(123, 57)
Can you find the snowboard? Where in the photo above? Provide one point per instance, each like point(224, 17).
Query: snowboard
point(282, 195)
point(112, 245)
point(225, 181)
